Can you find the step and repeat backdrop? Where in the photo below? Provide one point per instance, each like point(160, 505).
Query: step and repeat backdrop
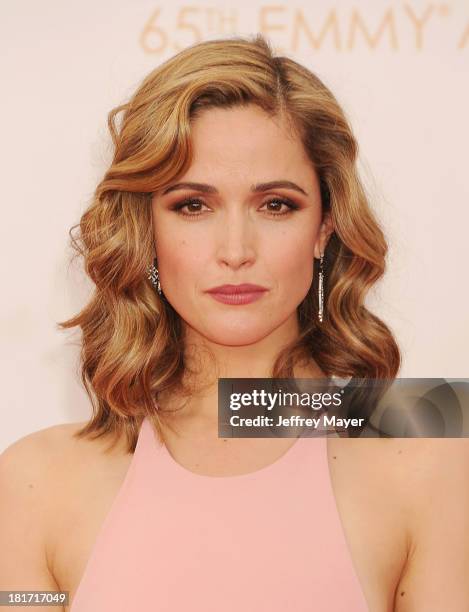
point(399, 69)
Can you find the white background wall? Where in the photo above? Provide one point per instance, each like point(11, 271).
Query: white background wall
point(400, 70)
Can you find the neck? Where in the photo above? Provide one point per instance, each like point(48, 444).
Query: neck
point(207, 361)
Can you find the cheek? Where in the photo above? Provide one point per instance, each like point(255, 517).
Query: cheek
point(181, 264)
point(292, 264)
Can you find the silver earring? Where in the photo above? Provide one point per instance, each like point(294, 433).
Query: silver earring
point(154, 277)
point(321, 289)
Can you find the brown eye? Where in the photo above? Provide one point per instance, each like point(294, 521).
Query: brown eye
point(193, 207)
point(278, 207)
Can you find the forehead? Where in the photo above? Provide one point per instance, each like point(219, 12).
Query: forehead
point(246, 140)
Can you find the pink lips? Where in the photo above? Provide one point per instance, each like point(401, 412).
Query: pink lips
point(237, 294)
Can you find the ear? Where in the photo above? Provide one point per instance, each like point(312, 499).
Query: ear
point(324, 234)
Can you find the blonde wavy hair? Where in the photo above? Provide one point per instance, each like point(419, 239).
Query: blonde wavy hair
point(132, 345)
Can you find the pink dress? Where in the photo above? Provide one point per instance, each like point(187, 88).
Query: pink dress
point(267, 541)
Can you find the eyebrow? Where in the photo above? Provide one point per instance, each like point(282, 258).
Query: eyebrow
point(258, 188)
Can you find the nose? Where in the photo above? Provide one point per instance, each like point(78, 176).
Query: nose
point(235, 239)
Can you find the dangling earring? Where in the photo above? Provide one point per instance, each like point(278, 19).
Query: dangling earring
point(321, 289)
point(154, 277)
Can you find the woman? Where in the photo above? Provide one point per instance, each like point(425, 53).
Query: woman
point(231, 167)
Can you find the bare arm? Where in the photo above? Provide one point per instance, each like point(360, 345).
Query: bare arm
point(436, 576)
point(23, 517)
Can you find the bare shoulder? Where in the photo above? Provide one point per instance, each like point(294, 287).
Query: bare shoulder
point(46, 478)
point(42, 459)
point(39, 457)
point(434, 475)
point(409, 467)
point(36, 466)
point(413, 450)
point(420, 488)
point(33, 457)
point(437, 488)
point(43, 471)
point(43, 437)
point(29, 472)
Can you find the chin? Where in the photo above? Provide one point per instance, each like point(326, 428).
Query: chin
point(230, 334)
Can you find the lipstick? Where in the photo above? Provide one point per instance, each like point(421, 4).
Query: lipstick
point(237, 295)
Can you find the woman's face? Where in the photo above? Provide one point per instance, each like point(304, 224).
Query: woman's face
point(251, 214)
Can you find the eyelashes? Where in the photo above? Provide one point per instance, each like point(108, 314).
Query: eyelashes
point(187, 203)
